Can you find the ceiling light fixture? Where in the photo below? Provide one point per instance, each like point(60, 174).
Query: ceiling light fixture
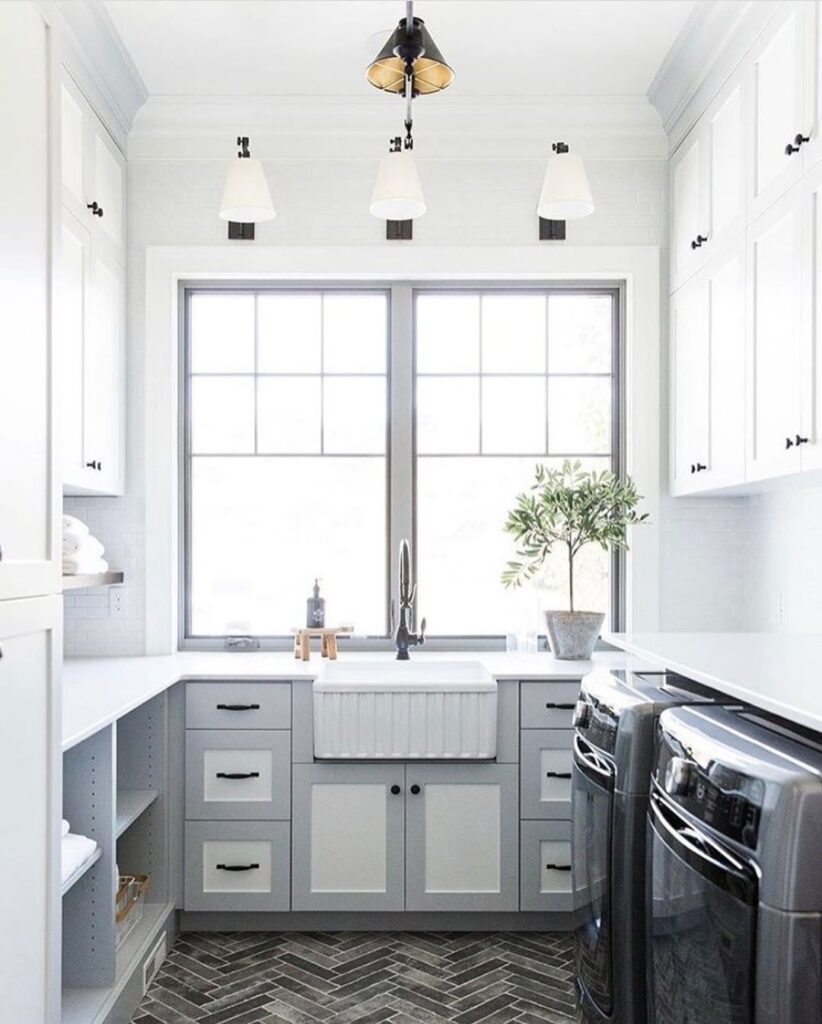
point(410, 46)
point(566, 194)
point(246, 197)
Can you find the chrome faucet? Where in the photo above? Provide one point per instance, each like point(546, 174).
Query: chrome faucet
point(403, 637)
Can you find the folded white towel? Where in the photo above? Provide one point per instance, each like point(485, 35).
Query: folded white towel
point(75, 851)
point(75, 565)
point(65, 828)
point(87, 546)
point(71, 524)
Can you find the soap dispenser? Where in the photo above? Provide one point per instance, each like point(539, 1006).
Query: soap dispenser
point(315, 609)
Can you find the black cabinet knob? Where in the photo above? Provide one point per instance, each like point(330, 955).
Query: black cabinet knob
point(395, 789)
point(788, 443)
point(800, 440)
point(92, 464)
point(699, 241)
point(798, 141)
point(96, 209)
point(693, 468)
point(415, 789)
point(700, 466)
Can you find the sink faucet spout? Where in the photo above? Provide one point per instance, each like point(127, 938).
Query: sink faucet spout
point(404, 638)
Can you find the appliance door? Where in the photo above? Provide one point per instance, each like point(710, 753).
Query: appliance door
point(593, 785)
point(703, 910)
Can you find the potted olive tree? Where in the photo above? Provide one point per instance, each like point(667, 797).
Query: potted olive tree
point(569, 508)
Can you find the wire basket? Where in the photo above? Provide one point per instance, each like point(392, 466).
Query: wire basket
point(128, 904)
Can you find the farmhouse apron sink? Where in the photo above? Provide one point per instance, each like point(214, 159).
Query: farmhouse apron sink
point(409, 710)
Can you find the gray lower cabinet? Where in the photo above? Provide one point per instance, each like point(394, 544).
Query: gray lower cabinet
point(237, 865)
point(461, 837)
point(348, 837)
point(545, 866)
point(238, 705)
point(238, 774)
point(548, 705)
point(545, 773)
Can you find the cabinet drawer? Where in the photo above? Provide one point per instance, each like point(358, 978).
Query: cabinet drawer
point(548, 705)
point(238, 705)
point(545, 773)
point(237, 865)
point(238, 774)
point(546, 881)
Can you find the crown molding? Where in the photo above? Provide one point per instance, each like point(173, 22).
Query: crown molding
point(94, 55)
point(710, 45)
point(357, 128)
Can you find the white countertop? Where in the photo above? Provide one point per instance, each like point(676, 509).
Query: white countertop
point(777, 673)
point(98, 691)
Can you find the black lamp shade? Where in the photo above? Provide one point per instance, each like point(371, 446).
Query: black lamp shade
point(430, 72)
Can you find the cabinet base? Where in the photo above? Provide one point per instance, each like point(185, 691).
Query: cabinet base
point(363, 921)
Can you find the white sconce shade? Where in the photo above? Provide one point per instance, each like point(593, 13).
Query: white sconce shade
point(566, 194)
point(246, 198)
point(398, 193)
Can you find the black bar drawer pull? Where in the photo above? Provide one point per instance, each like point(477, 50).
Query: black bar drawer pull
point(238, 707)
point(558, 867)
point(557, 775)
point(237, 867)
point(561, 707)
point(238, 775)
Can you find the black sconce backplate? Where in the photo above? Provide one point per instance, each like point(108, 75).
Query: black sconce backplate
point(551, 230)
point(240, 232)
point(399, 230)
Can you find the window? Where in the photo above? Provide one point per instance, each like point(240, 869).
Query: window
point(288, 460)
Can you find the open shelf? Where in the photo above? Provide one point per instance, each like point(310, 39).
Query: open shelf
point(86, 1005)
point(92, 579)
point(76, 875)
point(130, 805)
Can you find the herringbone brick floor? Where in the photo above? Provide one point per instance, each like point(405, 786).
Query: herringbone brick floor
point(363, 978)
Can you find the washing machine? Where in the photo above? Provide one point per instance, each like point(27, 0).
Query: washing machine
point(614, 733)
point(735, 873)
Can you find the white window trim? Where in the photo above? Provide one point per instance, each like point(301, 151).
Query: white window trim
point(168, 266)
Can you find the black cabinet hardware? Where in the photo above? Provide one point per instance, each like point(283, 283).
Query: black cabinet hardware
point(560, 707)
point(238, 707)
point(798, 141)
point(800, 440)
point(96, 209)
point(557, 775)
point(94, 464)
point(395, 789)
point(558, 867)
point(788, 443)
point(237, 867)
point(415, 789)
point(698, 242)
point(238, 775)
point(699, 467)
point(693, 468)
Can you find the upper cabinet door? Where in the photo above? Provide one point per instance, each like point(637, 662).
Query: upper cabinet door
point(28, 498)
point(775, 339)
point(689, 216)
point(690, 386)
point(724, 128)
point(810, 433)
point(73, 144)
point(108, 187)
point(812, 150)
point(778, 67)
point(72, 296)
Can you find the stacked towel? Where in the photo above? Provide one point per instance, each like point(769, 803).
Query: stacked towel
point(76, 850)
point(82, 553)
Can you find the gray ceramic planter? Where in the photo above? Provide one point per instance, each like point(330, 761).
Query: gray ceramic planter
point(573, 634)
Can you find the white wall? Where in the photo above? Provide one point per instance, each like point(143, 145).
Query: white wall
point(173, 202)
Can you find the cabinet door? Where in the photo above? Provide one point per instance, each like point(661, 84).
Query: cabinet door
point(462, 837)
point(348, 835)
point(690, 385)
point(810, 435)
point(31, 649)
point(545, 866)
point(774, 339)
point(688, 208)
point(28, 498)
point(777, 81)
point(103, 381)
point(812, 150)
point(108, 187)
point(724, 127)
point(239, 774)
point(74, 130)
point(75, 255)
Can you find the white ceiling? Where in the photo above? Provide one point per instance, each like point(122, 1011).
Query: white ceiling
point(312, 48)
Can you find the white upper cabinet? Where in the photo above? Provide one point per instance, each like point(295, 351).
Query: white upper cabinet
point(93, 171)
point(810, 431)
point(91, 301)
point(775, 339)
point(28, 502)
point(780, 95)
point(708, 376)
point(708, 184)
